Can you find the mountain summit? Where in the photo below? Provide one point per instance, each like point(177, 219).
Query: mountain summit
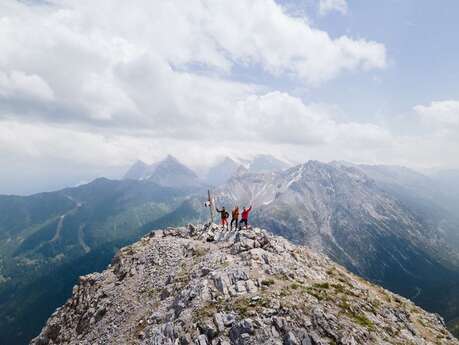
point(227, 168)
point(137, 171)
point(263, 163)
point(199, 285)
point(222, 172)
point(168, 172)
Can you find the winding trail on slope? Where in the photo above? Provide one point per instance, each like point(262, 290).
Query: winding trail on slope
point(83, 244)
point(57, 234)
point(60, 224)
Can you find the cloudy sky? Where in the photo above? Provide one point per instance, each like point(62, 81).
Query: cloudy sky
point(89, 86)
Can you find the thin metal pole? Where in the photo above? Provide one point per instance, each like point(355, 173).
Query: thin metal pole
point(211, 206)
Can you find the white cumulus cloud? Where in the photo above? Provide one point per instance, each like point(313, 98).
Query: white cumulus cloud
point(95, 84)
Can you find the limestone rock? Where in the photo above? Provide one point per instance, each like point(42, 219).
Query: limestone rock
point(199, 285)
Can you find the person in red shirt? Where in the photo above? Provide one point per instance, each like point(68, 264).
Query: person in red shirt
point(245, 217)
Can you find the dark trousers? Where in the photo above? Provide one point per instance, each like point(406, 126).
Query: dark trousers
point(243, 221)
point(234, 220)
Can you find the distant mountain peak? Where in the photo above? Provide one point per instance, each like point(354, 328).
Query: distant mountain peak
point(227, 158)
point(229, 167)
point(136, 171)
point(266, 163)
point(168, 172)
point(139, 162)
point(241, 170)
point(222, 171)
point(172, 163)
point(170, 158)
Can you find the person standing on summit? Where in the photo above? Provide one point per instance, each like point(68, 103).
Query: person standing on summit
point(235, 217)
point(245, 217)
point(224, 216)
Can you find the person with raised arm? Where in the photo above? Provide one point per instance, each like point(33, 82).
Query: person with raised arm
point(224, 216)
point(245, 217)
point(235, 217)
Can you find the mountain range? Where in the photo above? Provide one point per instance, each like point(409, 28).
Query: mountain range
point(391, 225)
point(228, 167)
point(170, 172)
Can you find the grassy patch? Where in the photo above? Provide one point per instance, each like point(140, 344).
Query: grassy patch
point(284, 292)
point(268, 282)
point(339, 288)
point(225, 264)
point(295, 286)
point(387, 297)
point(205, 312)
point(375, 306)
point(322, 285)
point(359, 318)
point(362, 320)
point(242, 306)
point(319, 294)
point(152, 292)
point(345, 306)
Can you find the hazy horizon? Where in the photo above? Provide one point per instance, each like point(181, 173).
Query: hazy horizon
point(201, 171)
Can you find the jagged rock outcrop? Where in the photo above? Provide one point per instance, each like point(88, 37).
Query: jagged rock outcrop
point(200, 285)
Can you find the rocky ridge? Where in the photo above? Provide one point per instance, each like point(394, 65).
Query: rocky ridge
point(201, 285)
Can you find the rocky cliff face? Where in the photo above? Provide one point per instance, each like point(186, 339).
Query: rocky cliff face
point(199, 285)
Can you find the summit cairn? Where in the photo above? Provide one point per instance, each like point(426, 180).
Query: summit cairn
point(201, 285)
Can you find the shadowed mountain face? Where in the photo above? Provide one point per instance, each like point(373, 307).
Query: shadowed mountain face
point(407, 244)
point(448, 179)
point(433, 199)
point(453, 326)
point(448, 183)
